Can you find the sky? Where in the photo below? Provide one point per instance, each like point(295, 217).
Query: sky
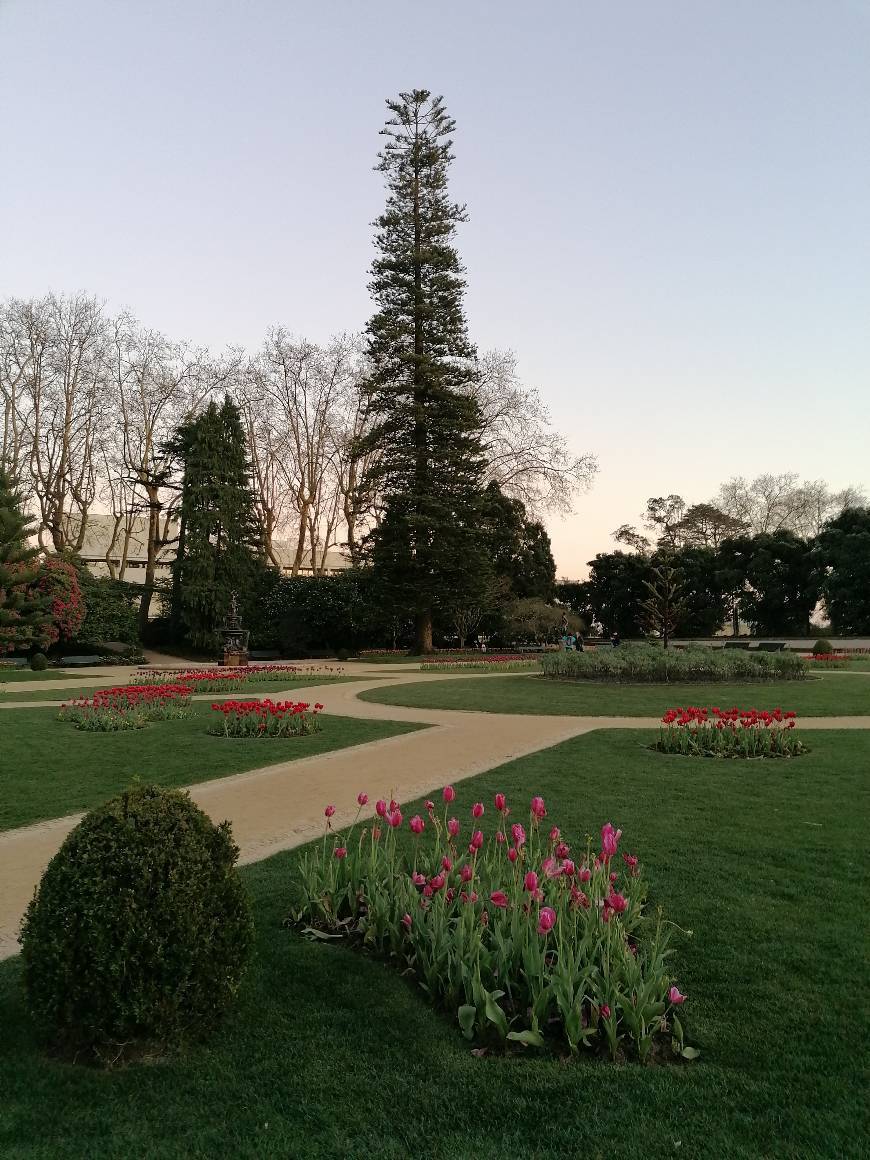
point(669, 203)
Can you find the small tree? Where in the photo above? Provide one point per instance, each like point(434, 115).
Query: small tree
point(25, 614)
point(665, 604)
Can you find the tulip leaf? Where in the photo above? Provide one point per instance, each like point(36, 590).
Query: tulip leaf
point(690, 1053)
point(313, 932)
point(529, 1038)
point(495, 1014)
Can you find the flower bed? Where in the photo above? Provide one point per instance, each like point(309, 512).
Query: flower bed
point(643, 663)
point(127, 707)
point(507, 663)
point(509, 932)
point(233, 680)
point(266, 718)
point(829, 660)
point(697, 732)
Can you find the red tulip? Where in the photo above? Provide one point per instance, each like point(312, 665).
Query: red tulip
point(539, 810)
point(418, 879)
point(530, 882)
point(362, 799)
point(329, 811)
point(407, 921)
point(500, 802)
point(340, 852)
point(416, 824)
point(446, 864)
point(499, 898)
point(466, 873)
point(453, 827)
point(512, 854)
point(605, 1011)
point(394, 817)
point(477, 810)
point(448, 793)
point(546, 919)
point(381, 808)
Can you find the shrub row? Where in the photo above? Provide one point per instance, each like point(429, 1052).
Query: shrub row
point(643, 663)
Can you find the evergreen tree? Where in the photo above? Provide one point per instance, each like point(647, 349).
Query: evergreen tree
point(25, 615)
point(520, 548)
point(427, 551)
point(219, 543)
point(663, 607)
point(844, 556)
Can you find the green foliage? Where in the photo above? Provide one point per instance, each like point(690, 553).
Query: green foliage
point(844, 554)
point(219, 550)
point(663, 606)
point(111, 608)
point(427, 550)
point(777, 581)
point(822, 647)
point(140, 931)
point(519, 548)
point(24, 611)
point(615, 592)
point(39, 662)
point(532, 621)
point(650, 663)
point(309, 614)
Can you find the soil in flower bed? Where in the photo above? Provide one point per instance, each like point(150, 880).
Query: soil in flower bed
point(332, 1054)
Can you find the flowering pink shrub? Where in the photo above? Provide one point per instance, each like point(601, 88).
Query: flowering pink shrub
point(523, 940)
point(127, 707)
point(266, 718)
point(697, 732)
point(58, 580)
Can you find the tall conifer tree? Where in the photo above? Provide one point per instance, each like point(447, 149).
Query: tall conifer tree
point(219, 541)
point(25, 614)
point(427, 427)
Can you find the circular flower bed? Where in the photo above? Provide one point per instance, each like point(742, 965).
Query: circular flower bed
point(266, 718)
point(699, 732)
point(127, 707)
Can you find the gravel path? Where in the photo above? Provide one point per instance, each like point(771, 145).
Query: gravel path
point(280, 806)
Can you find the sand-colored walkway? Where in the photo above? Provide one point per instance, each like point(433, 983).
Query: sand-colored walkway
point(280, 806)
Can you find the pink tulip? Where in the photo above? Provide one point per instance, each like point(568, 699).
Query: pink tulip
point(674, 996)
point(430, 806)
point(579, 898)
point(512, 854)
point(329, 811)
point(477, 810)
point(450, 894)
point(466, 873)
point(539, 810)
point(555, 834)
point(568, 868)
point(428, 891)
point(609, 840)
point(613, 876)
point(416, 824)
point(446, 864)
point(605, 1011)
point(340, 852)
point(500, 802)
point(546, 919)
point(630, 860)
point(584, 874)
point(500, 838)
point(453, 827)
point(476, 840)
point(448, 793)
point(418, 879)
point(530, 882)
point(407, 921)
point(437, 882)
point(362, 799)
point(394, 817)
point(393, 805)
point(381, 808)
point(518, 834)
point(499, 898)
point(551, 868)
point(618, 902)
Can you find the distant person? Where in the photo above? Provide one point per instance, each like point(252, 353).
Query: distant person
point(580, 645)
point(614, 639)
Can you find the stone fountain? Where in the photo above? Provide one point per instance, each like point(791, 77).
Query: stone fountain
point(235, 638)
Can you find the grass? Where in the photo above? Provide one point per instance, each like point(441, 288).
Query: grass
point(51, 769)
point(251, 692)
point(330, 1053)
point(826, 696)
point(16, 676)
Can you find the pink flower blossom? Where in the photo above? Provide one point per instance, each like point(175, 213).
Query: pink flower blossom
point(584, 873)
point(340, 852)
point(381, 808)
point(605, 1011)
point(546, 919)
point(477, 810)
point(448, 793)
point(539, 810)
point(500, 838)
point(446, 864)
point(609, 840)
point(555, 834)
point(430, 806)
point(518, 834)
point(407, 921)
point(476, 839)
point(362, 799)
point(437, 882)
point(551, 868)
point(613, 876)
point(416, 824)
point(500, 802)
point(394, 817)
point(563, 850)
point(466, 873)
point(512, 854)
point(530, 882)
point(568, 868)
point(418, 879)
point(453, 827)
point(376, 832)
point(499, 898)
point(617, 902)
point(675, 997)
point(450, 894)
point(329, 811)
point(579, 898)
point(630, 860)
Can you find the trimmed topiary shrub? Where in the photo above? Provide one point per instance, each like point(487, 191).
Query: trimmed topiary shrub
point(822, 647)
point(39, 662)
point(140, 931)
point(342, 654)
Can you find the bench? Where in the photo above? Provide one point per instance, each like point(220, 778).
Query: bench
point(744, 644)
point(79, 662)
point(771, 645)
point(264, 654)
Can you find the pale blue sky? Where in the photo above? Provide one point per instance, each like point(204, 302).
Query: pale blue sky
point(668, 202)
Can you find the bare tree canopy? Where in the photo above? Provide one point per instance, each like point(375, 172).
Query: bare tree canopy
point(772, 503)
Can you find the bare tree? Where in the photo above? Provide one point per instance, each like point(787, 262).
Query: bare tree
point(528, 458)
point(770, 503)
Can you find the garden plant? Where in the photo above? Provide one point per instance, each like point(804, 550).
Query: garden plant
point(525, 941)
point(127, 707)
point(266, 718)
point(698, 732)
point(497, 663)
point(643, 663)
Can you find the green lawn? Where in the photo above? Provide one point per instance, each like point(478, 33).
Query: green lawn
point(260, 688)
point(821, 697)
point(50, 769)
point(15, 676)
point(331, 1054)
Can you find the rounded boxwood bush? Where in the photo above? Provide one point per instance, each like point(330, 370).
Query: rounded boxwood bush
point(822, 647)
point(140, 930)
point(39, 662)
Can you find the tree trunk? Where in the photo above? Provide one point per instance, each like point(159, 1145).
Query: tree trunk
point(424, 632)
